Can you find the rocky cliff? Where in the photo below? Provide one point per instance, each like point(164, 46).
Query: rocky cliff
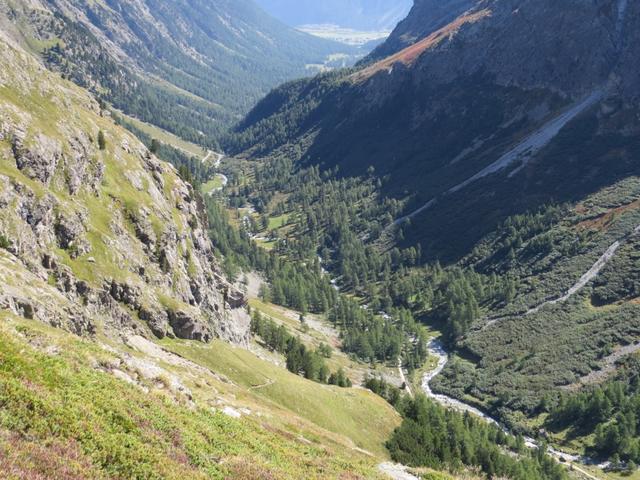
point(97, 235)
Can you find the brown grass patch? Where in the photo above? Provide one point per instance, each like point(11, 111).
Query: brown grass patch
point(22, 459)
point(603, 221)
point(244, 469)
point(410, 54)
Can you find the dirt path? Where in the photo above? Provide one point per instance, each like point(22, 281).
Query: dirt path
point(607, 367)
point(530, 146)
point(403, 378)
point(206, 157)
point(396, 471)
point(218, 158)
point(263, 385)
point(592, 273)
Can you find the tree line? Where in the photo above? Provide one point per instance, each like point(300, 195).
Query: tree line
point(435, 437)
point(300, 359)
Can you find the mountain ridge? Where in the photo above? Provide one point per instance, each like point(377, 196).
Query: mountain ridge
point(209, 59)
point(493, 64)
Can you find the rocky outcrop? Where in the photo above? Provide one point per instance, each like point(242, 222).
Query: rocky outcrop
point(98, 240)
point(38, 160)
point(70, 233)
point(517, 45)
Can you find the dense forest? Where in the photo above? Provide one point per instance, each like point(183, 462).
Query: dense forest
point(128, 92)
point(319, 220)
point(236, 54)
point(435, 437)
point(439, 438)
point(327, 218)
point(344, 221)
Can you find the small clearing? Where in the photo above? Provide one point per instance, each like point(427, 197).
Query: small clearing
point(608, 366)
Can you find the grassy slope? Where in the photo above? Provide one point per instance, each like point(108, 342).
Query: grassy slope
point(61, 414)
point(355, 414)
point(212, 185)
point(116, 189)
point(64, 418)
point(319, 331)
point(166, 137)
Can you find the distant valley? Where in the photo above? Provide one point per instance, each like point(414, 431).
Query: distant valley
point(346, 35)
point(364, 24)
point(384, 240)
point(362, 15)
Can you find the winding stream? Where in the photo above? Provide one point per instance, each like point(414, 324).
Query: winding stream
point(437, 349)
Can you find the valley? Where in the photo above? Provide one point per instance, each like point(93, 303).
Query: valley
point(345, 35)
point(357, 15)
point(375, 241)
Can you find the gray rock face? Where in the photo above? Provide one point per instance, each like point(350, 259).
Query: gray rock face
point(98, 241)
point(627, 71)
point(518, 42)
point(70, 233)
point(38, 160)
point(158, 322)
point(125, 293)
point(81, 171)
point(187, 327)
point(571, 47)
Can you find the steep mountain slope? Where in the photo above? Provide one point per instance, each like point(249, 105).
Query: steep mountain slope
point(507, 140)
point(98, 235)
point(356, 14)
point(108, 410)
point(425, 17)
point(468, 102)
point(104, 242)
point(190, 67)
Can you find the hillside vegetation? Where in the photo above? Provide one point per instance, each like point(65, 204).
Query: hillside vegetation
point(191, 68)
point(455, 181)
point(104, 242)
point(63, 415)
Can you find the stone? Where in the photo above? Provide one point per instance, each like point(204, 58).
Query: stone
point(188, 327)
point(39, 158)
